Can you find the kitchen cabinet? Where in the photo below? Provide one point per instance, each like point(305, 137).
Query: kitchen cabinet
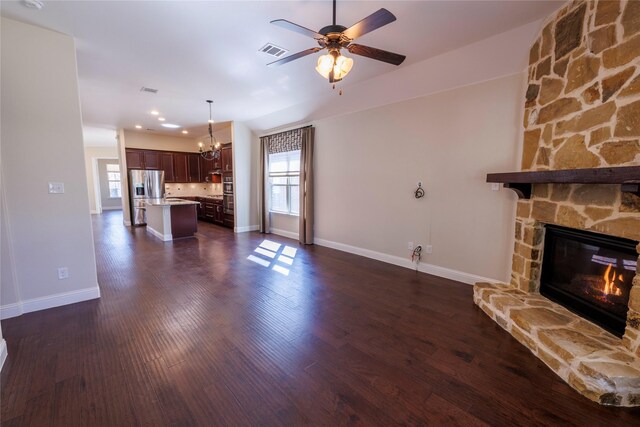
point(207, 167)
point(194, 167)
point(209, 210)
point(227, 158)
point(180, 167)
point(135, 159)
point(167, 166)
point(141, 159)
point(200, 207)
point(218, 214)
point(152, 160)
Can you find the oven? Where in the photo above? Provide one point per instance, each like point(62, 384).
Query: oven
point(227, 194)
point(227, 184)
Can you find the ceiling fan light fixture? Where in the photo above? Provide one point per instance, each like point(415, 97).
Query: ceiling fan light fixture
point(325, 64)
point(341, 65)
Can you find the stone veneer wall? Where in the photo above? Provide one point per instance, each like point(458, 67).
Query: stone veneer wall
point(582, 110)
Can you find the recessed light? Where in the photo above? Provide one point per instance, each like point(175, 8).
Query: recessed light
point(185, 132)
point(170, 125)
point(138, 127)
point(161, 119)
point(154, 113)
point(33, 4)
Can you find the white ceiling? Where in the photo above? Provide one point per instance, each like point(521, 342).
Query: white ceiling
point(196, 50)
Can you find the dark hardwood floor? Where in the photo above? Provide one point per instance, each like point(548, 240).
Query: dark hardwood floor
point(193, 333)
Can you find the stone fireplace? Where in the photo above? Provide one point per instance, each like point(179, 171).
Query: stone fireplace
point(590, 274)
point(582, 110)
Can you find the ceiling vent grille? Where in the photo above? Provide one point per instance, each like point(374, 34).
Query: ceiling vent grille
point(273, 50)
point(148, 89)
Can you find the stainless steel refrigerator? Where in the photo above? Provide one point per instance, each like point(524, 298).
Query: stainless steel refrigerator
point(143, 185)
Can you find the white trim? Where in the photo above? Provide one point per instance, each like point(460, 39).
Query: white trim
point(49, 301)
point(285, 233)
point(436, 270)
point(246, 229)
point(95, 212)
point(96, 185)
point(126, 222)
point(3, 353)
point(163, 237)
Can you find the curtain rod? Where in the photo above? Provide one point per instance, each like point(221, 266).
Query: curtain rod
point(284, 131)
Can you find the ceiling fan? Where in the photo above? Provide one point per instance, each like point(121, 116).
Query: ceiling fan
point(334, 66)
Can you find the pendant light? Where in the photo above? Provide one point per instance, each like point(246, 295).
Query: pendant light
point(214, 146)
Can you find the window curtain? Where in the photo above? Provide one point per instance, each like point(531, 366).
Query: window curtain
point(263, 198)
point(296, 139)
point(305, 230)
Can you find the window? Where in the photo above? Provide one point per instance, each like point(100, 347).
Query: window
point(113, 177)
point(284, 182)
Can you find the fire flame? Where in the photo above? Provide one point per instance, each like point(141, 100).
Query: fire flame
point(610, 287)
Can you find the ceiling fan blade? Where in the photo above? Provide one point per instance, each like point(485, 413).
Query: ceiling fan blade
point(379, 54)
point(295, 56)
point(297, 28)
point(372, 22)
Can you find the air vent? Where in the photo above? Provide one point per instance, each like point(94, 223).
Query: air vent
point(148, 89)
point(273, 50)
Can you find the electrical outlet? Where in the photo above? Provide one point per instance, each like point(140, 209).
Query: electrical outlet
point(428, 249)
point(495, 186)
point(63, 273)
point(56, 188)
point(410, 246)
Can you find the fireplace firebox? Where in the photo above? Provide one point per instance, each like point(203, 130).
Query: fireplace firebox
point(590, 274)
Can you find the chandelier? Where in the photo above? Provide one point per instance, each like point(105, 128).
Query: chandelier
point(214, 146)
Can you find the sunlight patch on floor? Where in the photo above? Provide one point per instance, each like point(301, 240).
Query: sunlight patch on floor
point(274, 255)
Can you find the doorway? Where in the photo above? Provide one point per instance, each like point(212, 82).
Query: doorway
point(108, 184)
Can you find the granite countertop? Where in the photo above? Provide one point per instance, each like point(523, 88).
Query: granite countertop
point(170, 202)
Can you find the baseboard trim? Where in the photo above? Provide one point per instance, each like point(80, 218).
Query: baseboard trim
point(49, 301)
point(285, 233)
point(127, 223)
point(447, 273)
point(246, 228)
point(3, 353)
point(163, 237)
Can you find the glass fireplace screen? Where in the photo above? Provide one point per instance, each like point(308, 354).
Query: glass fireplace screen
point(590, 274)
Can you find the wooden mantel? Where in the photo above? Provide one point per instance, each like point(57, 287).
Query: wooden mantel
point(521, 182)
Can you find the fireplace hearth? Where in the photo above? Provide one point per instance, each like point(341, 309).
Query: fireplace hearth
point(590, 274)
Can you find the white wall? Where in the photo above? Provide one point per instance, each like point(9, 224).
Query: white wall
point(42, 142)
point(367, 165)
point(245, 171)
point(90, 155)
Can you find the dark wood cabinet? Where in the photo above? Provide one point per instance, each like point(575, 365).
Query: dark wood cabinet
point(180, 167)
point(141, 159)
point(218, 215)
point(167, 166)
point(217, 161)
point(194, 167)
point(152, 160)
point(200, 207)
point(227, 158)
point(135, 159)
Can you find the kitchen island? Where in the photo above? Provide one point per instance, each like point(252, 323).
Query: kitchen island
point(170, 219)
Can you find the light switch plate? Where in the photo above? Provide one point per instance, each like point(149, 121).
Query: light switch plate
point(56, 187)
point(495, 186)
